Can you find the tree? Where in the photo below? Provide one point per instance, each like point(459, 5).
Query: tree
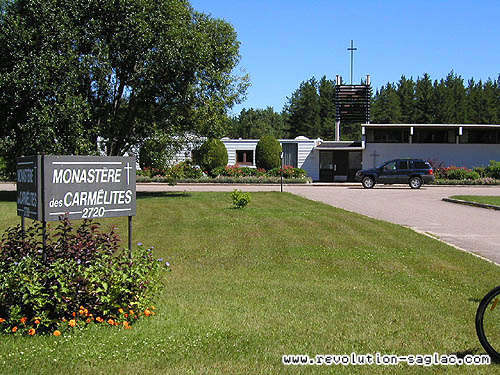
point(424, 100)
point(256, 123)
point(71, 72)
point(387, 109)
point(326, 91)
point(406, 94)
point(303, 111)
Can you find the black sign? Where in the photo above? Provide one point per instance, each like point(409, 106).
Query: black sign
point(81, 187)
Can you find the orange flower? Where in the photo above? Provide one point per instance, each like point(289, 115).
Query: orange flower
point(37, 321)
point(31, 332)
point(2, 320)
point(74, 314)
point(14, 329)
point(153, 308)
point(120, 310)
point(131, 312)
point(57, 333)
point(89, 320)
point(99, 319)
point(23, 320)
point(72, 323)
point(111, 321)
point(147, 312)
point(125, 315)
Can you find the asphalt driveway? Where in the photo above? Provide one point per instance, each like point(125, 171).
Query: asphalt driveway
point(473, 229)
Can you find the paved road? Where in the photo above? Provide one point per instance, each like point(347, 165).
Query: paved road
point(470, 228)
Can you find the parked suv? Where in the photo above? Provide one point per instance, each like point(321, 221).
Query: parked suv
point(414, 172)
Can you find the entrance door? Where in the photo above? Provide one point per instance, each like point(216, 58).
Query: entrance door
point(326, 166)
point(340, 165)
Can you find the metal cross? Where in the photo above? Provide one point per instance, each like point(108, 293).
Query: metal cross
point(374, 155)
point(352, 49)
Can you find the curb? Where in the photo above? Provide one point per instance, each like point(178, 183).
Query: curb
point(474, 204)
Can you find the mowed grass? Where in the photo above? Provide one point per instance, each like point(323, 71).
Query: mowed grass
point(284, 275)
point(488, 199)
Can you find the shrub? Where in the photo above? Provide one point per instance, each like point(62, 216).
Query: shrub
point(212, 154)
point(240, 198)
point(493, 169)
point(288, 172)
point(185, 169)
point(154, 153)
point(85, 276)
point(456, 173)
point(268, 153)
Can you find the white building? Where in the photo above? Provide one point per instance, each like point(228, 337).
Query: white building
point(463, 145)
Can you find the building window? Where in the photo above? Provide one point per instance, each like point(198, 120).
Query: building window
point(397, 135)
point(480, 136)
point(290, 154)
point(244, 157)
point(433, 135)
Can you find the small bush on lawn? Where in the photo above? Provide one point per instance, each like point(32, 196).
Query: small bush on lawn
point(268, 153)
point(240, 198)
point(86, 278)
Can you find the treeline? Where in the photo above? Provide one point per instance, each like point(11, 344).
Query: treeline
point(445, 101)
point(310, 110)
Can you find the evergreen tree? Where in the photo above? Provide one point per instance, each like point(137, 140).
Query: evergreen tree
point(326, 91)
point(406, 94)
point(387, 108)
point(424, 100)
point(304, 111)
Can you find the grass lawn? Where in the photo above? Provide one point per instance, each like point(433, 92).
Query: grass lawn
point(284, 275)
point(488, 199)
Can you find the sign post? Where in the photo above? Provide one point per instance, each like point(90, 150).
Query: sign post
point(78, 187)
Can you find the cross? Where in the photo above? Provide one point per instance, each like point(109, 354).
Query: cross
point(128, 168)
point(352, 49)
point(374, 155)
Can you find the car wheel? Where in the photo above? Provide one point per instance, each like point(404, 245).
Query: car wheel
point(415, 182)
point(368, 182)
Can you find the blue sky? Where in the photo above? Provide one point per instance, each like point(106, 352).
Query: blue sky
point(286, 42)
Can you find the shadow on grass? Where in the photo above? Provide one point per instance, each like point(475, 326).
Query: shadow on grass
point(161, 194)
point(8, 196)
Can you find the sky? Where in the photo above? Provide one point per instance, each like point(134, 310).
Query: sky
point(284, 43)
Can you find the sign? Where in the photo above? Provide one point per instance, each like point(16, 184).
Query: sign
point(29, 189)
point(81, 187)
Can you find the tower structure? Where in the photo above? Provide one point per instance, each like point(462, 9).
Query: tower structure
point(352, 104)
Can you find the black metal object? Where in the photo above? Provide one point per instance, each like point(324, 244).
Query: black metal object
point(352, 103)
point(130, 235)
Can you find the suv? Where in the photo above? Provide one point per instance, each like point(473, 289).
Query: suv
point(414, 172)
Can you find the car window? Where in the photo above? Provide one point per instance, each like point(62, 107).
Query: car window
point(417, 164)
point(390, 166)
point(403, 164)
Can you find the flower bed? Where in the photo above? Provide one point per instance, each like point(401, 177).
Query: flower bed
point(82, 278)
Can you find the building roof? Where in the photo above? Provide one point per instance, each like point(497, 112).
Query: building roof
point(340, 145)
point(431, 125)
